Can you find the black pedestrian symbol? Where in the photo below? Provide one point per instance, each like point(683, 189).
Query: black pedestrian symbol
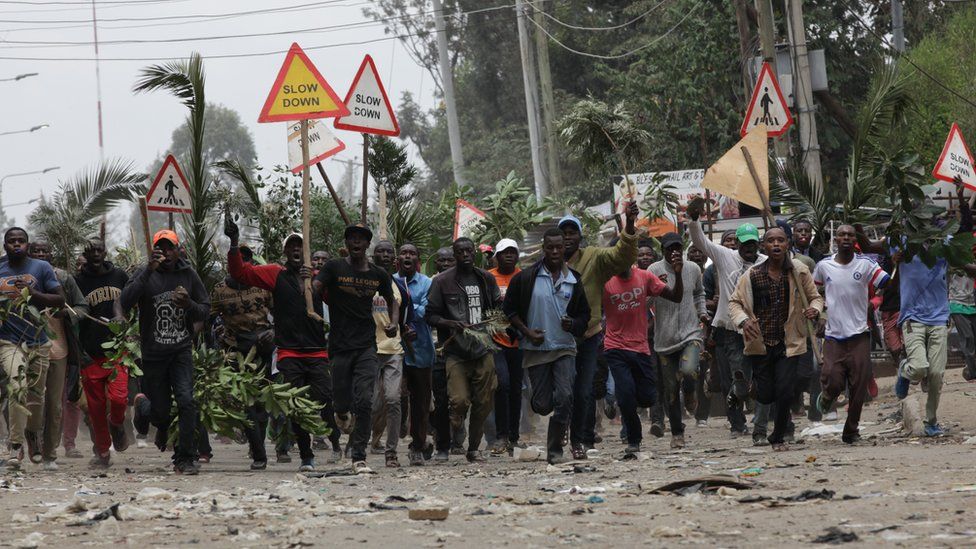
point(170, 197)
point(767, 117)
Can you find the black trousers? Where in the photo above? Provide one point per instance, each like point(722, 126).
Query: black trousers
point(440, 418)
point(167, 378)
point(775, 376)
point(418, 385)
point(354, 374)
point(314, 374)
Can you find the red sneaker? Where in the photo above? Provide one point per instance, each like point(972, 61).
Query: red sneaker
point(873, 388)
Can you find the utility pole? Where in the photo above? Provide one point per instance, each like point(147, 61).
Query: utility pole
point(531, 102)
point(98, 85)
point(898, 25)
point(447, 77)
point(745, 51)
point(548, 103)
point(767, 40)
point(803, 92)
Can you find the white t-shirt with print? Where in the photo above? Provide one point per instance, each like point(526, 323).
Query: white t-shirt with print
point(846, 292)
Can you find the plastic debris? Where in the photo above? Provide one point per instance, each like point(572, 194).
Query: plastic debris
point(820, 430)
point(751, 472)
point(701, 484)
point(595, 499)
point(31, 541)
point(152, 493)
point(835, 535)
point(531, 453)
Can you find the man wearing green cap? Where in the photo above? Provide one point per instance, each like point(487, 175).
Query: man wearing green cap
point(729, 347)
point(596, 266)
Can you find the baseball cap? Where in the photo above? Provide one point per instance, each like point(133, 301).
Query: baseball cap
point(358, 228)
point(571, 219)
point(166, 234)
point(505, 244)
point(289, 237)
point(747, 232)
point(670, 239)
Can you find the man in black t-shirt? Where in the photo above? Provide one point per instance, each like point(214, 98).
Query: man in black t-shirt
point(350, 284)
point(101, 283)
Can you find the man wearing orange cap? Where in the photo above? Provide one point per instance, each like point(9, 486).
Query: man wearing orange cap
point(171, 297)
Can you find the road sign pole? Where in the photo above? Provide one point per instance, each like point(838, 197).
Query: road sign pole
point(306, 219)
point(332, 191)
point(172, 226)
point(365, 176)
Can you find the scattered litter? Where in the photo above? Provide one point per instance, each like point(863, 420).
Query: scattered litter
point(836, 536)
point(967, 488)
point(726, 491)
point(674, 532)
point(109, 529)
point(584, 490)
point(111, 512)
point(131, 512)
point(405, 499)
point(753, 451)
point(592, 453)
point(584, 469)
point(433, 513)
point(31, 541)
point(811, 459)
point(808, 495)
point(86, 491)
point(481, 512)
point(820, 430)
point(701, 484)
point(20, 517)
point(595, 499)
point(531, 453)
point(386, 506)
point(329, 474)
point(152, 493)
point(970, 440)
point(751, 472)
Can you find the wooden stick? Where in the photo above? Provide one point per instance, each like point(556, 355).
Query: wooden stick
point(306, 220)
point(144, 213)
point(332, 191)
point(383, 231)
point(365, 177)
point(768, 214)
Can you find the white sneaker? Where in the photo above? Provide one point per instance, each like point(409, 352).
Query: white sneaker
point(50, 465)
point(830, 416)
point(702, 423)
point(360, 468)
point(141, 443)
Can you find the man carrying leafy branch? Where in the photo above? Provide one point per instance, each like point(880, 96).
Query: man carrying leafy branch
point(596, 266)
point(24, 345)
point(300, 339)
point(171, 298)
point(105, 385)
point(63, 359)
point(461, 299)
point(923, 285)
point(546, 303)
point(244, 310)
point(350, 283)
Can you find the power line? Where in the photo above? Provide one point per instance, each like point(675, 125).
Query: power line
point(905, 56)
point(625, 54)
point(312, 5)
point(266, 53)
point(614, 27)
point(343, 26)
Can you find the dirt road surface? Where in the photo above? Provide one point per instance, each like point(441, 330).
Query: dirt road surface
point(889, 490)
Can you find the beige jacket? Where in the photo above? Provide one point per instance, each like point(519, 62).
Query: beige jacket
point(740, 310)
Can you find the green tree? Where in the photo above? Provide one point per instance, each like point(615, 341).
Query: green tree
point(72, 214)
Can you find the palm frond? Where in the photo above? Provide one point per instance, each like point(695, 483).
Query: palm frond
point(249, 184)
point(72, 214)
point(599, 134)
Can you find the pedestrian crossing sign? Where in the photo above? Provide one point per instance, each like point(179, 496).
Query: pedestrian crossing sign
point(767, 106)
point(169, 191)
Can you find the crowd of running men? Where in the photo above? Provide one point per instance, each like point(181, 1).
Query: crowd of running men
point(762, 319)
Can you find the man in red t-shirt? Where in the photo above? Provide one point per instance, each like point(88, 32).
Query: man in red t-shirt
point(625, 345)
point(508, 358)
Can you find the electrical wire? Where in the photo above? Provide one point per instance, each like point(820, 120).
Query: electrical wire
point(86, 22)
point(903, 55)
point(330, 28)
point(614, 27)
point(267, 53)
point(622, 55)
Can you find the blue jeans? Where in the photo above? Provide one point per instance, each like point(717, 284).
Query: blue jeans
point(552, 389)
point(633, 378)
point(581, 429)
point(508, 395)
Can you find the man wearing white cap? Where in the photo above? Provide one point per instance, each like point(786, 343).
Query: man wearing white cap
point(508, 358)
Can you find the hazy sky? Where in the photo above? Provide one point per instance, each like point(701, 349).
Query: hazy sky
point(139, 127)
